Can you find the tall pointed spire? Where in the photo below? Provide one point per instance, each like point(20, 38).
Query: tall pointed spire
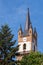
point(27, 21)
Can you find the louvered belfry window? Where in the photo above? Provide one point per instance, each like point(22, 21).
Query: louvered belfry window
point(24, 46)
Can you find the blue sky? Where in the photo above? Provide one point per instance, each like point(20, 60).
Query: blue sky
point(13, 13)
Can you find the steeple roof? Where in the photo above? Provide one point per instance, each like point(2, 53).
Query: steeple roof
point(27, 24)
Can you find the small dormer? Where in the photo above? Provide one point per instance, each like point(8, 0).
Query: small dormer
point(30, 30)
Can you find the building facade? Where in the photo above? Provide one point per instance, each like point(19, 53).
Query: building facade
point(27, 40)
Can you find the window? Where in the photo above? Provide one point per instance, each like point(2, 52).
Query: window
point(30, 31)
point(19, 33)
point(24, 46)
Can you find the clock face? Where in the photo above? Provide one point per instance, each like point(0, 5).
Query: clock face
point(24, 39)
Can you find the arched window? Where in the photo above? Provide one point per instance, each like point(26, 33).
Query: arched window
point(24, 46)
point(19, 33)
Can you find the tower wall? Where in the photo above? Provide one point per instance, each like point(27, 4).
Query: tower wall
point(27, 40)
point(28, 46)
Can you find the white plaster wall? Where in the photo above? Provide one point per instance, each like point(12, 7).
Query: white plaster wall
point(28, 46)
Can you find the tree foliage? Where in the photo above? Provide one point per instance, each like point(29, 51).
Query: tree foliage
point(34, 58)
point(7, 51)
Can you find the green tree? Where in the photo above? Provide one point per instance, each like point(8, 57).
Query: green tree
point(7, 51)
point(34, 58)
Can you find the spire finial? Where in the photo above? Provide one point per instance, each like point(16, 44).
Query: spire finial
point(27, 21)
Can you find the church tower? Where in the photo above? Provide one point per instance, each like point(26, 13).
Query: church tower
point(27, 40)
